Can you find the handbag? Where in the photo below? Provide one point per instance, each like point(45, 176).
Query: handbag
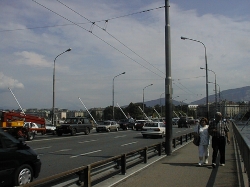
point(196, 140)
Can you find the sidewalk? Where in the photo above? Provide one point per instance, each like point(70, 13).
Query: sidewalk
point(180, 169)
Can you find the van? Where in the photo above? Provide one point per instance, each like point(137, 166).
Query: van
point(19, 164)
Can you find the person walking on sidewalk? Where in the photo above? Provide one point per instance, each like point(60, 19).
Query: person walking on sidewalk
point(219, 131)
point(202, 131)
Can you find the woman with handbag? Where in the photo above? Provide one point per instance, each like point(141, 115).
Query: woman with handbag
point(202, 131)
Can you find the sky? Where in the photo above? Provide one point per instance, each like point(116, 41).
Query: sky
point(108, 37)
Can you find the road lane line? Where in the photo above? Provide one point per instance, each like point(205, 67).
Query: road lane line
point(62, 150)
point(88, 141)
point(120, 136)
point(128, 144)
point(42, 148)
point(85, 153)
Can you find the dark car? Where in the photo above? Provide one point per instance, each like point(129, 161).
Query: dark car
point(183, 122)
point(19, 164)
point(126, 124)
point(74, 125)
point(139, 124)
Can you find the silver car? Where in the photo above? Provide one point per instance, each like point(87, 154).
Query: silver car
point(107, 126)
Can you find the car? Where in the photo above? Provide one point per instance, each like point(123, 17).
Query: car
point(175, 121)
point(183, 122)
point(107, 126)
point(19, 164)
point(139, 124)
point(50, 129)
point(31, 125)
point(125, 124)
point(153, 129)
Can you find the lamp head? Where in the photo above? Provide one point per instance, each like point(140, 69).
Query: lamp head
point(202, 68)
point(123, 72)
point(69, 49)
point(183, 38)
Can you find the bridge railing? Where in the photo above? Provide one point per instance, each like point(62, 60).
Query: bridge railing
point(243, 145)
point(97, 172)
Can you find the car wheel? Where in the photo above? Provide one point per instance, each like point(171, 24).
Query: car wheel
point(133, 128)
point(87, 131)
point(144, 136)
point(73, 132)
point(30, 136)
point(23, 175)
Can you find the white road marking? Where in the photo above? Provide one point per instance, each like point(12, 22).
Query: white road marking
point(88, 141)
point(128, 144)
point(85, 153)
point(120, 136)
point(62, 150)
point(42, 148)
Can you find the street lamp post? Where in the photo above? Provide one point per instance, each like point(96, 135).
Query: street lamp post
point(219, 92)
point(184, 38)
point(114, 94)
point(182, 103)
point(54, 70)
point(215, 88)
point(143, 96)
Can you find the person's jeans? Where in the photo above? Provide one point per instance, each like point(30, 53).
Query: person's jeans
point(218, 145)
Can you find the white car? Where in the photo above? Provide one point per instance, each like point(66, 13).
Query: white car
point(50, 129)
point(153, 129)
point(31, 125)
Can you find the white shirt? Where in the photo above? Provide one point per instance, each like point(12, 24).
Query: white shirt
point(203, 132)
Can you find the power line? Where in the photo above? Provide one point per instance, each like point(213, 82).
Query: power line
point(110, 35)
point(62, 25)
point(97, 37)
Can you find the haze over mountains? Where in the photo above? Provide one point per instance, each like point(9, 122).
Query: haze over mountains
point(235, 95)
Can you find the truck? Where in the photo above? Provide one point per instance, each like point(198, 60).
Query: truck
point(13, 123)
point(73, 125)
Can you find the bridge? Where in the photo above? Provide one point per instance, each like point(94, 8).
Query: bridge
point(149, 166)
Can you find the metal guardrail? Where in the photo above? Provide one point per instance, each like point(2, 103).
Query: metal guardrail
point(243, 147)
point(97, 172)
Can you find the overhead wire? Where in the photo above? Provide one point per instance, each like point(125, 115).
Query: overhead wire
point(106, 20)
point(97, 37)
point(94, 23)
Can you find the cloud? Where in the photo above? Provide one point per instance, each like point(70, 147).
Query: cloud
point(32, 59)
point(8, 82)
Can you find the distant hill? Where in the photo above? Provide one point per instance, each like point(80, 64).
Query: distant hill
point(235, 95)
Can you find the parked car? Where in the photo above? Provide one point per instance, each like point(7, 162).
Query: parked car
point(183, 122)
point(191, 120)
point(139, 124)
point(107, 126)
point(125, 124)
point(19, 164)
point(153, 129)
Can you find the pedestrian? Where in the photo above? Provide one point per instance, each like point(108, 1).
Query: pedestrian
point(219, 131)
point(203, 150)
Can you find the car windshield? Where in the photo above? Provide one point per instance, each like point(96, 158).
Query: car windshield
point(151, 125)
point(71, 120)
point(106, 123)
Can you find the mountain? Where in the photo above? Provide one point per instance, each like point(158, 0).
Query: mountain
point(235, 95)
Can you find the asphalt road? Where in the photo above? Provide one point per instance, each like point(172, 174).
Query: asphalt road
point(63, 153)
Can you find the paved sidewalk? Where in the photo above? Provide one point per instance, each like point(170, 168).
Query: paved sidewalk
point(181, 169)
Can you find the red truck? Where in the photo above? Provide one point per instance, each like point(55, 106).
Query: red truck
point(13, 123)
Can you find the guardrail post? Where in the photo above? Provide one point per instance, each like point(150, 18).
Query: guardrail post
point(123, 164)
point(145, 156)
point(174, 143)
point(159, 149)
point(87, 179)
point(181, 141)
point(186, 136)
